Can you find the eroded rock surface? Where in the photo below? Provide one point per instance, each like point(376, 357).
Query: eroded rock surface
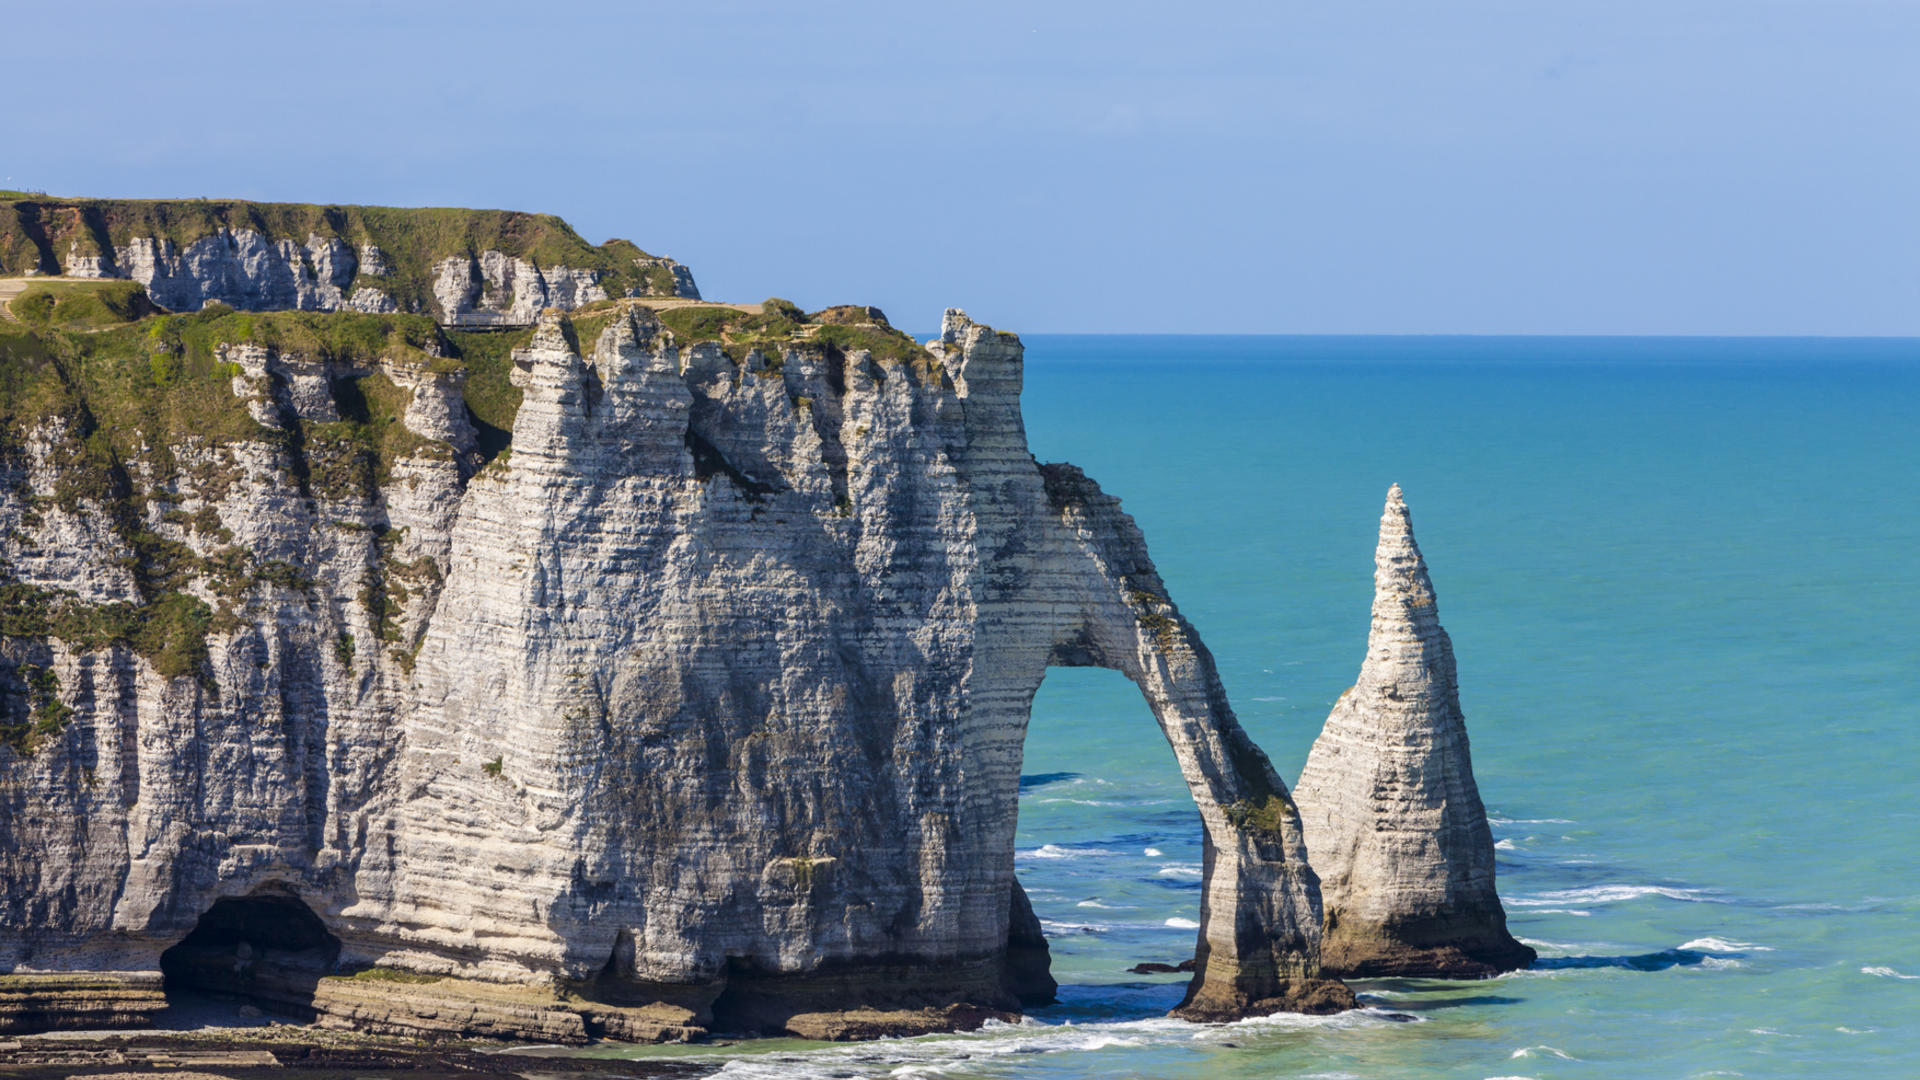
point(465, 268)
point(699, 709)
point(1395, 826)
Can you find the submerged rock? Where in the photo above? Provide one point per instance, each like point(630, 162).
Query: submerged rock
point(1395, 826)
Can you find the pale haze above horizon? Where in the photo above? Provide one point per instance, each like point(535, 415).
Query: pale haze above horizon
point(1478, 167)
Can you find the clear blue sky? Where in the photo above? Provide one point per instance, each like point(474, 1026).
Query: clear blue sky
point(1341, 166)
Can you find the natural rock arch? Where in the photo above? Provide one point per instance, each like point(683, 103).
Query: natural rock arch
point(1258, 943)
point(716, 685)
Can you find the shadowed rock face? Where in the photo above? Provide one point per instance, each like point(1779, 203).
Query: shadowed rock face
point(705, 706)
point(1395, 826)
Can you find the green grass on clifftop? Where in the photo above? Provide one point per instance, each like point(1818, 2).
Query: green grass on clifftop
point(780, 324)
point(42, 235)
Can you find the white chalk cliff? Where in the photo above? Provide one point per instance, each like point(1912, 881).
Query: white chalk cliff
point(699, 709)
point(1395, 826)
point(465, 268)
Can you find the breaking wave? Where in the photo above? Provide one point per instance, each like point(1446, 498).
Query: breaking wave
point(936, 1055)
point(1055, 851)
point(1609, 894)
point(1886, 973)
point(1718, 944)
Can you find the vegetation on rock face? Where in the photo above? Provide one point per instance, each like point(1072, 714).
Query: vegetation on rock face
point(169, 630)
point(132, 412)
point(1267, 816)
point(492, 398)
point(780, 325)
point(43, 235)
point(44, 715)
point(126, 415)
point(394, 975)
point(1166, 632)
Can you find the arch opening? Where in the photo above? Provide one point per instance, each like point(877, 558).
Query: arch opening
point(1108, 841)
point(268, 949)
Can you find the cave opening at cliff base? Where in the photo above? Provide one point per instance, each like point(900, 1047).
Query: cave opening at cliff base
point(268, 949)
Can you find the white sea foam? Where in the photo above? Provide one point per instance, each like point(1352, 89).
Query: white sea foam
point(1055, 851)
point(1886, 973)
point(1557, 911)
point(1097, 904)
point(1183, 871)
point(1151, 853)
point(1609, 894)
point(1720, 944)
point(1061, 929)
point(941, 1055)
point(1182, 924)
point(1530, 821)
point(1777, 1034)
point(1719, 963)
point(1542, 1051)
point(1503, 845)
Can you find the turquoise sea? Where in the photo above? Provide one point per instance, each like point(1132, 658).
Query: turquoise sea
point(1683, 580)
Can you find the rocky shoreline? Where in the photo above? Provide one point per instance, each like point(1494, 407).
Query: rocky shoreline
point(261, 1053)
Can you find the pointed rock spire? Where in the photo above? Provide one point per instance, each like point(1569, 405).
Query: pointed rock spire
point(1394, 824)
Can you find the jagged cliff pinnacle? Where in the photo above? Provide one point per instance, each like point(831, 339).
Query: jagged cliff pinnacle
point(1395, 826)
point(638, 674)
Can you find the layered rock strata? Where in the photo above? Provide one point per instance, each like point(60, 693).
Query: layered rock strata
point(700, 708)
point(285, 256)
point(1395, 826)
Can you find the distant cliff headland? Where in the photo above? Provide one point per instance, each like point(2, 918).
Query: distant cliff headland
point(463, 267)
point(428, 622)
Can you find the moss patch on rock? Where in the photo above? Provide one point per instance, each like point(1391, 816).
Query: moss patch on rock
point(1266, 816)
